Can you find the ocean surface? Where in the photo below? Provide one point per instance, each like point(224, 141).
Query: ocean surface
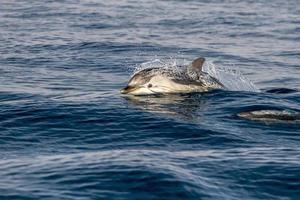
point(67, 133)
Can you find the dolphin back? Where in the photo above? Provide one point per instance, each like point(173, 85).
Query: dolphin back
point(195, 72)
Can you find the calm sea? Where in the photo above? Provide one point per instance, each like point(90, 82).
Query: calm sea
point(67, 133)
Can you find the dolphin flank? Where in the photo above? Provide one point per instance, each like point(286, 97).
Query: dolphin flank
point(166, 81)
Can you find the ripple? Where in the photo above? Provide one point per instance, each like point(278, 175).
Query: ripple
point(150, 172)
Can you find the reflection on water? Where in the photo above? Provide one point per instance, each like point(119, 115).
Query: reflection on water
point(181, 106)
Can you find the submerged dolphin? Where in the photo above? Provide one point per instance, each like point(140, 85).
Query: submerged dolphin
point(271, 115)
point(162, 81)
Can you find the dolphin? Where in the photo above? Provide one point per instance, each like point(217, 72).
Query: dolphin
point(270, 115)
point(188, 79)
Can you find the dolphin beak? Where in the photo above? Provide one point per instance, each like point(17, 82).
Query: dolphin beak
point(128, 89)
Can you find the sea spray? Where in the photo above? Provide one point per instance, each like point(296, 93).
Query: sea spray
point(230, 76)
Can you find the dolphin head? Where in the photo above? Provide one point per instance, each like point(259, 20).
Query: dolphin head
point(148, 81)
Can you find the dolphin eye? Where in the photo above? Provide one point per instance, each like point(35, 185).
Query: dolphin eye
point(149, 85)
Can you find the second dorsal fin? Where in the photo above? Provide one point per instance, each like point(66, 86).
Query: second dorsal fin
point(198, 63)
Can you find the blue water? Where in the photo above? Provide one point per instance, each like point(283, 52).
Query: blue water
point(67, 133)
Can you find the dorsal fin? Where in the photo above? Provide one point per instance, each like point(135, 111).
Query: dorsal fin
point(198, 63)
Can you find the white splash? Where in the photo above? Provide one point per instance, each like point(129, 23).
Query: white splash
point(174, 64)
point(230, 76)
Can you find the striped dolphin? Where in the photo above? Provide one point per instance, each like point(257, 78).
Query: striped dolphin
point(189, 79)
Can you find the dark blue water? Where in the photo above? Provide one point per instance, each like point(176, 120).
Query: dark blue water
point(67, 133)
